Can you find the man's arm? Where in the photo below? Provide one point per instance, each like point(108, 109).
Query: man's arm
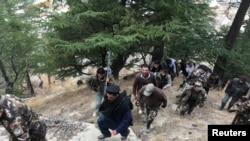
point(169, 83)
point(135, 84)
point(125, 122)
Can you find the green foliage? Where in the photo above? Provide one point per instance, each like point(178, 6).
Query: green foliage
point(18, 41)
point(238, 59)
point(88, 30)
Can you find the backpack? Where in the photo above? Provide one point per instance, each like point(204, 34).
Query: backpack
point(127, 99)
point(206, 68)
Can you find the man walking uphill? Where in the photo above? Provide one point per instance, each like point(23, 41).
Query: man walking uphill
point(102, 78)
point(192, 97)
point(116, 114)
point(141, 79)
point(236, 88)
point(153, 98)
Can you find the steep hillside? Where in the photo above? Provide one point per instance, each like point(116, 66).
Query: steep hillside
point(71, 106)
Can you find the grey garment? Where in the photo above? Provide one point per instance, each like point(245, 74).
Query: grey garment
point(164, 81)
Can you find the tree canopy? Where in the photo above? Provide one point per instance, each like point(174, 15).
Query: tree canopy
point(44, 39)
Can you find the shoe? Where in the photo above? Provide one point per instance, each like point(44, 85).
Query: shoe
point(94, 114)
point(124, 138)
point(140, 112)
point(148, 131)
point(101, 137)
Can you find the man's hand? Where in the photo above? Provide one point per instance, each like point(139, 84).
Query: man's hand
point(135, 97)
point(114, 132)
point(137, 103)
point(107, 79)
point(163, 106)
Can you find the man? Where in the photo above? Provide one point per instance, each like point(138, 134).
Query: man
point(116, 114)
point(156, 67)
point(143, 78)
point(172, 67)
point(102, 79)
point(202, 73)
point(164, 79)
point(212, 82)
point(153, 99)
point(189, 68)
point(243, 113)
point(236, 88)
point(20, 121)
point(192, 97)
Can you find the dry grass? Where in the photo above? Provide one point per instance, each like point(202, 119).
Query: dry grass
point(78, 103)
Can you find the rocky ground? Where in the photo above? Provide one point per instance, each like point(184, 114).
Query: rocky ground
point(67, 110)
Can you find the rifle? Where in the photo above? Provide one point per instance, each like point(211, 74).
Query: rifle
point(236, 118)
point(108, 70)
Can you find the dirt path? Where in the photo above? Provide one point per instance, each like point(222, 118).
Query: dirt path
point(75, 105)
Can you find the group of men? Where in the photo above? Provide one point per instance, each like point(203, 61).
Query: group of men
point(149, 85)
point(148, 92)
point(113, 106)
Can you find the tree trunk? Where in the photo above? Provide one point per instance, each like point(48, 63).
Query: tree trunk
point(2, 68)
point(117, 64)
point(29, 84)
point(9, 89)
point(221, 61)
point(157, 54)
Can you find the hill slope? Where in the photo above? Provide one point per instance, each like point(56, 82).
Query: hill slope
point(68, 108)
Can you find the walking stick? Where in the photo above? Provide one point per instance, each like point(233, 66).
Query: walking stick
point(137, 117)
point(108, 72)
point(137, 104)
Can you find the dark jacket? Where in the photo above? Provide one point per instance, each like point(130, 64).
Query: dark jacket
point(212, 83)
point(163, 81)
point(156, 99)
point(118, 110)
point(140, 81)
point(235, 88)
point(98, 84)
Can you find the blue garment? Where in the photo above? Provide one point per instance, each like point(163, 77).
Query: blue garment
point(106, 123)
point(172, 65)
point(115, 115)
point(98, 101)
